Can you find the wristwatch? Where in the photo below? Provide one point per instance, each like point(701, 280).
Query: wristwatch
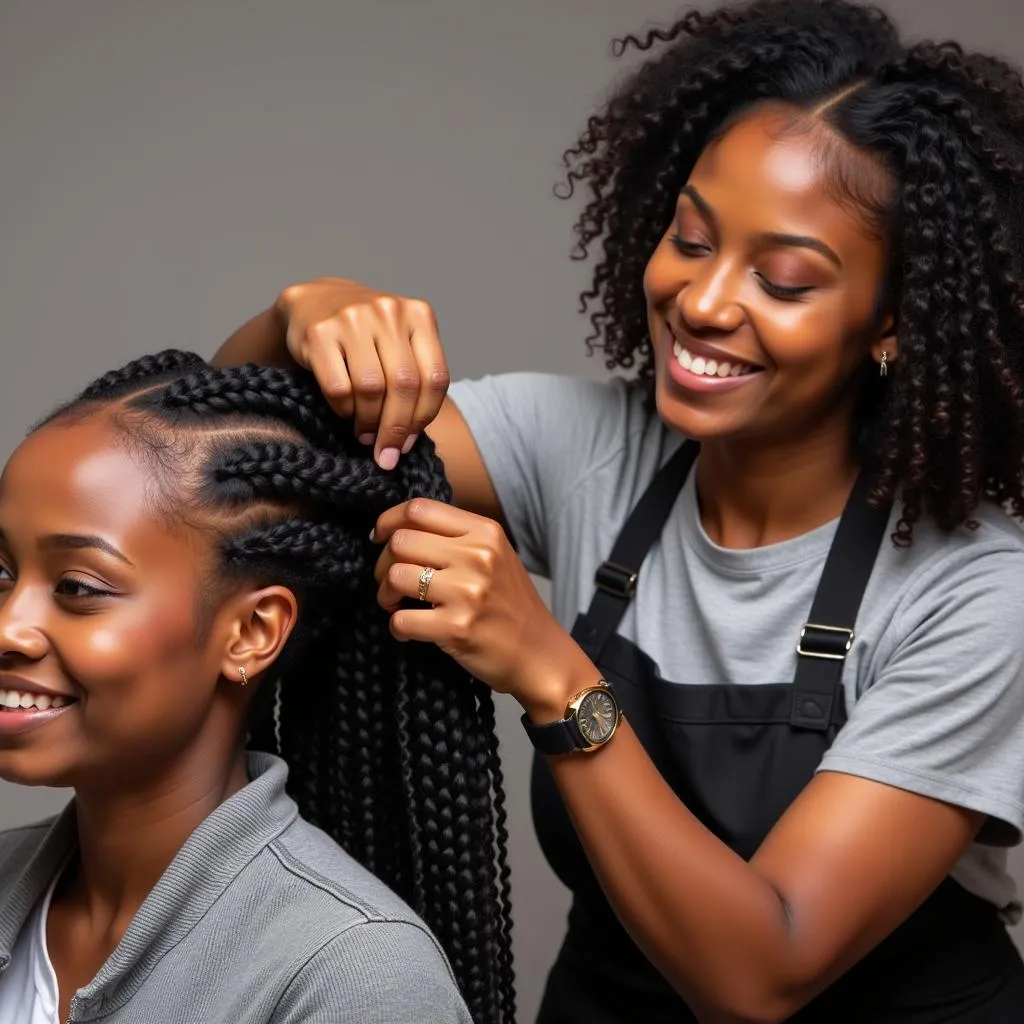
point(591, 718)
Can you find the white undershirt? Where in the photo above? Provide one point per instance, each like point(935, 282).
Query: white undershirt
point(28, 988)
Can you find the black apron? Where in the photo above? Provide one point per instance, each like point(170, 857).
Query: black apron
point(737, 756)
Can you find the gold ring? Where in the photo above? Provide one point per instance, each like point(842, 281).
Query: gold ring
point(425, 577)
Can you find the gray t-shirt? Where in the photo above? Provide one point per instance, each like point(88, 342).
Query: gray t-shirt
point(935, 679)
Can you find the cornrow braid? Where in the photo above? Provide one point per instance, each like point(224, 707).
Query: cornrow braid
point(291, 471)
point(149, 369)
point(326, 551)
point(399, 762)
point(946, 126)
point(256, 391)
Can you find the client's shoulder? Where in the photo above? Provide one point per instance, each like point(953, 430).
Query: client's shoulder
point(361, 942)
point(314, 865)
point(19, 844)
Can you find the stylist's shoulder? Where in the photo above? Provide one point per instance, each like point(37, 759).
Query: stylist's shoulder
point(375, 972)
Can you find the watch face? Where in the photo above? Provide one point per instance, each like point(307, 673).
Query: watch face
point(596, 716)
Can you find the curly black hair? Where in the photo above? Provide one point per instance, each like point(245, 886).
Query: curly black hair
point(391, 747)
point(947, 428)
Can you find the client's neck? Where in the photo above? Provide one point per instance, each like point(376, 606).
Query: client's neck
point(128, 837)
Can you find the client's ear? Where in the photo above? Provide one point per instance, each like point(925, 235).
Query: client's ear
point(260, 622)
point(887, 342)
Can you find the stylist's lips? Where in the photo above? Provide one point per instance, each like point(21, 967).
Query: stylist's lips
point(27, 707)
point(695, 366)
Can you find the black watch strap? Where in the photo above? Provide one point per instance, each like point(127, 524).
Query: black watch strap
point(561, 737)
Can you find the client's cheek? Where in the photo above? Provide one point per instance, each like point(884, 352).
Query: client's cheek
point(111, 661)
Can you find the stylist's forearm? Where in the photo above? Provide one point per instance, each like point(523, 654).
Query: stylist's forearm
point(260, 340)
point(704, 916)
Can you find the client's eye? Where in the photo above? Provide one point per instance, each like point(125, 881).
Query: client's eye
point(69, 586)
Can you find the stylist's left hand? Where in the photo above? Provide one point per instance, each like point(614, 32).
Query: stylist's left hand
point(486, 612)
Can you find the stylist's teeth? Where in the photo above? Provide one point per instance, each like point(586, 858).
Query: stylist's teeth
point(388, 459)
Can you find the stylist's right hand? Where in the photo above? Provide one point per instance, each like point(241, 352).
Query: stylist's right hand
point(377, 357)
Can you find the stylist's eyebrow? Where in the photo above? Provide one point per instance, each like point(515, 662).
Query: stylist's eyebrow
point(699, 201)
point(79, 541)
point(771, 237)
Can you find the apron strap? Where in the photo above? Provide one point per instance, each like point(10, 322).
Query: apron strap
point(616, 579)
point(827, 636)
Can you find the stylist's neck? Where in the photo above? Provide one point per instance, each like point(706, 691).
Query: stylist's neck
point(129, 835)
point(757, 493)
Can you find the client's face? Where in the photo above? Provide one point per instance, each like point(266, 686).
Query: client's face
point(105, 676)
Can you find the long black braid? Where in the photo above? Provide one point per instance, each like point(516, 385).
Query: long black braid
point(391, 747)
point(947, 126)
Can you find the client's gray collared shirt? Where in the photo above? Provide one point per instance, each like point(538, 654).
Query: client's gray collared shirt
point(259, 919)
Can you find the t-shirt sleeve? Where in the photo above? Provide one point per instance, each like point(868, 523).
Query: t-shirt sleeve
point(539, 435)
point(379, 972)
point(944, 716)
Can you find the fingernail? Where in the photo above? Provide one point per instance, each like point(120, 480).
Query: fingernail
point(373, 536)
point(409, 442)
point(367, 439)
point(388, 458)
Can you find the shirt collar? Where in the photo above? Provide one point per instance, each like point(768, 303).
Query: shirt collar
point(212, 856)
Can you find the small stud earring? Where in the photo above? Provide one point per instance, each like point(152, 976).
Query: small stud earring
point(242, 673)
point(883, 368)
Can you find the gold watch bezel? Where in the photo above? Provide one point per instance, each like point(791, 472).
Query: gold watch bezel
point(573, 707)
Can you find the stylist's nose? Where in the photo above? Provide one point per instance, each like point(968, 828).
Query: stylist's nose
point(707, 302)
point(20, 635)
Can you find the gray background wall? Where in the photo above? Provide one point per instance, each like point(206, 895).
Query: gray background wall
point(165, 168)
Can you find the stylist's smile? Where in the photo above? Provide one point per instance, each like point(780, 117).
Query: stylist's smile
point(697, 366)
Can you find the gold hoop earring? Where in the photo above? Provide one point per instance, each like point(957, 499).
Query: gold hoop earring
point(242, 673)
point(883, 369)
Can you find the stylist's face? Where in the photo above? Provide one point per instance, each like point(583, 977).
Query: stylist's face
point(104, 676)
point(761, 295)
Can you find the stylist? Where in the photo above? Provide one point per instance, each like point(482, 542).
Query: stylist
point(779, 703)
